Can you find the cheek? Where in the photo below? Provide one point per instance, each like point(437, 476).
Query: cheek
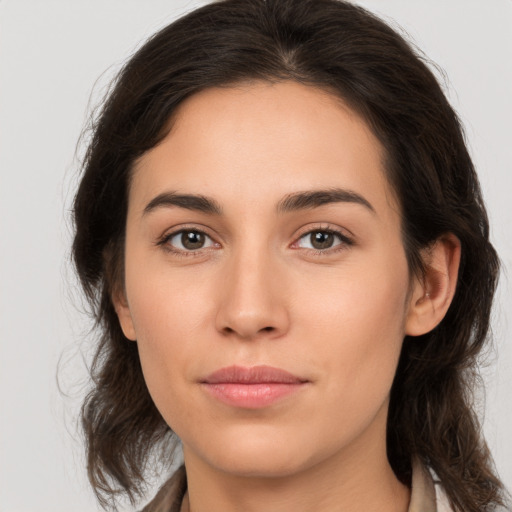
point(167, 304)
point(170, 315)
point(357, 324)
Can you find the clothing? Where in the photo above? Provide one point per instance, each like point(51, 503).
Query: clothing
point(170, 496)
point(427, 495)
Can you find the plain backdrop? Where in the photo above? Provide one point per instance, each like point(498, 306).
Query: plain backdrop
point(56, 58)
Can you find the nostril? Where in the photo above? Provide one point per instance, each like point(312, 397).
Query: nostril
point(229, 330)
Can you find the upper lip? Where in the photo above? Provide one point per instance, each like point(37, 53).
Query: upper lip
point(252, 375)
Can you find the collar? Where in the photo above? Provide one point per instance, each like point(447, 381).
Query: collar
point(427, 494)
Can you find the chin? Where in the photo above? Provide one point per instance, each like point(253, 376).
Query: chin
point(260, 454)
point(261, 465)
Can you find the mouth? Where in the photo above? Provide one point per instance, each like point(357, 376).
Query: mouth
point(252, 388)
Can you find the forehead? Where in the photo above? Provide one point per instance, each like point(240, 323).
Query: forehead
point(260, 140)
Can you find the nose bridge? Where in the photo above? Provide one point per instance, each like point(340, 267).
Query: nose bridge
point(252, 303)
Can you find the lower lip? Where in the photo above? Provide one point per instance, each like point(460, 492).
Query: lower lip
point(252, 396)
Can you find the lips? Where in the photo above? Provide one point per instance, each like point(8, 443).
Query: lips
point(252, 388)
point(253, 375)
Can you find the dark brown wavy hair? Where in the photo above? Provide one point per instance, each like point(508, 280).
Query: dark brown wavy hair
point(341, 48)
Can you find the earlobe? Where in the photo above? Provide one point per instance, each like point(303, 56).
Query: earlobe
point(124, 315)
point(431, 298)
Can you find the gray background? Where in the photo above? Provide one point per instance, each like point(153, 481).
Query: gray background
point(52, 55)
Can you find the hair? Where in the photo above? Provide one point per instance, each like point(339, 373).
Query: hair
point(344, 49)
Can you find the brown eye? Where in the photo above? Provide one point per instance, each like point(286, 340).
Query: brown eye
point(189, 240)
point(192, 240)
point(321, 239)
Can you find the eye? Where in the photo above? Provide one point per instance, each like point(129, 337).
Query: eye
point(322, 240)
point(188, 240)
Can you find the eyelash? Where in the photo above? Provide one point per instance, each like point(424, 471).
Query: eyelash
point(344, 242)
point(164, 243)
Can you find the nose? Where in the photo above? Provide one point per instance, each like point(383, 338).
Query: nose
point(253, 299)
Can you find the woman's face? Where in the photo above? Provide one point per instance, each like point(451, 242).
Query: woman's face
point(262, 233)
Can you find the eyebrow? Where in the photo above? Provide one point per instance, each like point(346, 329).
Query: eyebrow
point(315, 198)
point(194, 202)
point(293, 202)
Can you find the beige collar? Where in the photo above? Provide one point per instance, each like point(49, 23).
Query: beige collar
point(423, 492)
point(426, 495)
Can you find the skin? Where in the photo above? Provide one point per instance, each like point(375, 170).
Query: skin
point(257, 293)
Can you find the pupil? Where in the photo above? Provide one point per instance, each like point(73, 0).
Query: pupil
point(192, 239)
point(322, 239)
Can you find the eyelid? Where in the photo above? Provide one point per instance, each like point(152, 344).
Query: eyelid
point(346, 238)
point(163, 241)
point(344, 235)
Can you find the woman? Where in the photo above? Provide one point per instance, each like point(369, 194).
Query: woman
point(283, 237)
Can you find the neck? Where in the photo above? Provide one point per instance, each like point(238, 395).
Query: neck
point(357, 478)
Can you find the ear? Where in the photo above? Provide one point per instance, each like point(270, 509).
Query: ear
point(123, 313)
point(431, 297)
